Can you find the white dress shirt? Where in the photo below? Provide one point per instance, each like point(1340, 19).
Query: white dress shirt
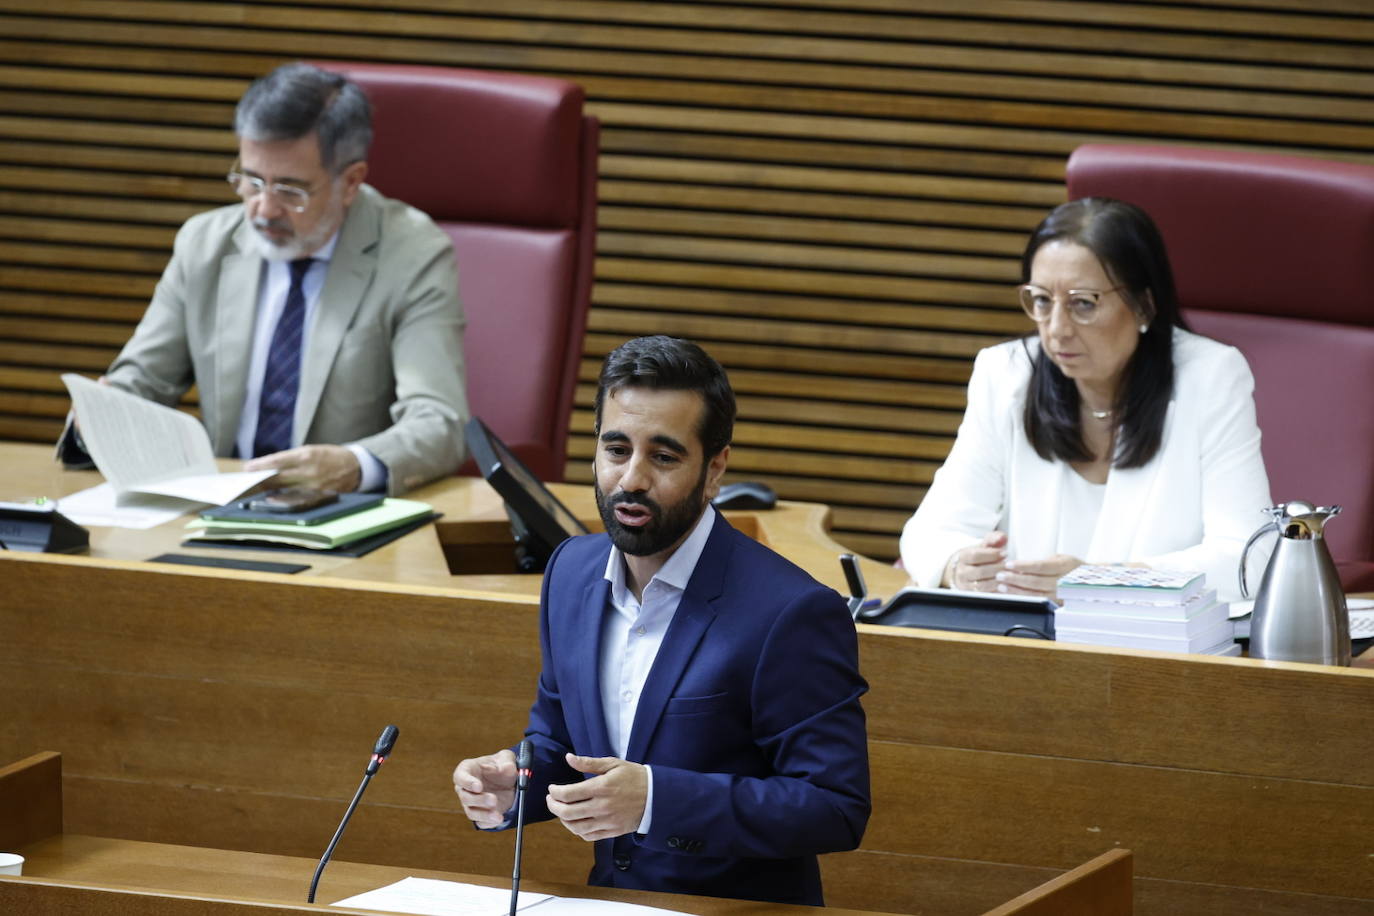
point(272, 290)
point(633, 632)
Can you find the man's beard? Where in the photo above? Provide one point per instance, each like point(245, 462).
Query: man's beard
point(665, 527)
point(295, 246)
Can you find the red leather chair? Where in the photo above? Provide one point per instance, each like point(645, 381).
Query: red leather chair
point(1275, 255)
point(506, 164)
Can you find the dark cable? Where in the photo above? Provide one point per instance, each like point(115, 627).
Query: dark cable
point(1021, 626)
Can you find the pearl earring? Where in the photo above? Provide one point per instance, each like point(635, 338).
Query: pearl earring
point(1144, 328)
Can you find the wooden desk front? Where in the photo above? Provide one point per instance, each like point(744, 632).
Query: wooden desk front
point(234, 710)
point(95, 876)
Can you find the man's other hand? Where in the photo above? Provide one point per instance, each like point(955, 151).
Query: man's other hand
point(320, 467)
point(609, 805)
point(486, 787)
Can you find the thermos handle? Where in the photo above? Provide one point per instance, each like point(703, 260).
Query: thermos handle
point(1244, 554)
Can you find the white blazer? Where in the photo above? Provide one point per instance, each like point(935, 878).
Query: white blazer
point(1191, 507)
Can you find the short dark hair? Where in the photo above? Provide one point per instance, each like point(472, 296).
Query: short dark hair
point(673, 364)
point(298, 98)
point(1131, 250)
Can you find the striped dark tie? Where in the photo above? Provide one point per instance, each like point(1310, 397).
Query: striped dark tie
point(282, 377)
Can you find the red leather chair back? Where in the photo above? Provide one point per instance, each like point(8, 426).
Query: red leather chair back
point(506, 164)
point(1274, 255)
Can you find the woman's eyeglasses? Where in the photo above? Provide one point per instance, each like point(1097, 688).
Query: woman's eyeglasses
point(1083, 305)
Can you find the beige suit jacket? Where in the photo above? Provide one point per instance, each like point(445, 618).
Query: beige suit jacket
point(383, 365)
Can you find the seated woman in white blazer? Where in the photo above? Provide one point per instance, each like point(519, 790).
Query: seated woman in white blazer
point(1113, 435)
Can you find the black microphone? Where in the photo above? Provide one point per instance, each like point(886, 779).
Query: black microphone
point(380, 751)
point(522, 778)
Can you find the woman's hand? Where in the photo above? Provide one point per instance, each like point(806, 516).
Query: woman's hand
point(1036, 577)
point(975, 569)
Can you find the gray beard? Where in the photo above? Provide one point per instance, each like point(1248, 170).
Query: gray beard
point(273, 252)
point(296, 248)
point(301, 246)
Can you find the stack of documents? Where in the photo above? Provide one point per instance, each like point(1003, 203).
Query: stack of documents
point(157, 461)
point(337, 532)
point(1135, 608)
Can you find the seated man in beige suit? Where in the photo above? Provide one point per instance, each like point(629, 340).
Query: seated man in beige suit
point(319, 319)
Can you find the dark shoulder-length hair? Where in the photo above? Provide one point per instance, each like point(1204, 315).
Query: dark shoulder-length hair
point(1131, 250)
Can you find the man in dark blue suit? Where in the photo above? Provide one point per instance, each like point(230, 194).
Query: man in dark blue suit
point(698, 711)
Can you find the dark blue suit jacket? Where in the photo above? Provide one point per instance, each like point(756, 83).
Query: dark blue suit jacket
point(750, 718)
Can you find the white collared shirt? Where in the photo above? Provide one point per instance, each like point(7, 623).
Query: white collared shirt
point(633, 631)
point(272, 290)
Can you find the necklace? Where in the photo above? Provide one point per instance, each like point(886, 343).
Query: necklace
point(1100, 414)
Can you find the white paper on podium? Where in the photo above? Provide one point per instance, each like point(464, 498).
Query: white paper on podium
point(431, 897)
point(143, 447)
point(584, 906)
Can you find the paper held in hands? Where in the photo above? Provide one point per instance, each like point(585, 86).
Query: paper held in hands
point(145, 448)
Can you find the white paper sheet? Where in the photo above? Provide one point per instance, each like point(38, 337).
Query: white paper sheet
point(97, 506)
point(583, 906)
point(135, 441)
point(214, 489)
point(143, 447)
point(431, 897)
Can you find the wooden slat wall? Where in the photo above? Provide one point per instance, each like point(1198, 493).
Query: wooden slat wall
point(829, 195)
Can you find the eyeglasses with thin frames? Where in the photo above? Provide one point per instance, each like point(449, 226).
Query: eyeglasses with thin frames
point(292, 197)
point(1083, 305)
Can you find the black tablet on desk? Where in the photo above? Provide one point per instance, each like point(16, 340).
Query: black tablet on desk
point(966, 612)
point(346, 504)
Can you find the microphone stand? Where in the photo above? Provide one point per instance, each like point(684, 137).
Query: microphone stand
point(380, 752)
point(319, 869)
point(521, 778)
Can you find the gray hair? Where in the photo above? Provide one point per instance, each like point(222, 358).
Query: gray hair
point(298, 98)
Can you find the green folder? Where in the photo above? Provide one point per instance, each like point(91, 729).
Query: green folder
point(392, 513)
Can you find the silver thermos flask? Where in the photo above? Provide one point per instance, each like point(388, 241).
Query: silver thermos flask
point(1300, 613)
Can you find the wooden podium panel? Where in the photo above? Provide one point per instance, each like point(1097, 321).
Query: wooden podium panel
point(1092, 889)
point(235, 710)
point(30, 800)
point(1241, 786)
point(96, 876)
point(202, 708)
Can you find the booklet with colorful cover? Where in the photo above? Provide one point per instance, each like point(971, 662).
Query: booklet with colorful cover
point(1130, 583)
